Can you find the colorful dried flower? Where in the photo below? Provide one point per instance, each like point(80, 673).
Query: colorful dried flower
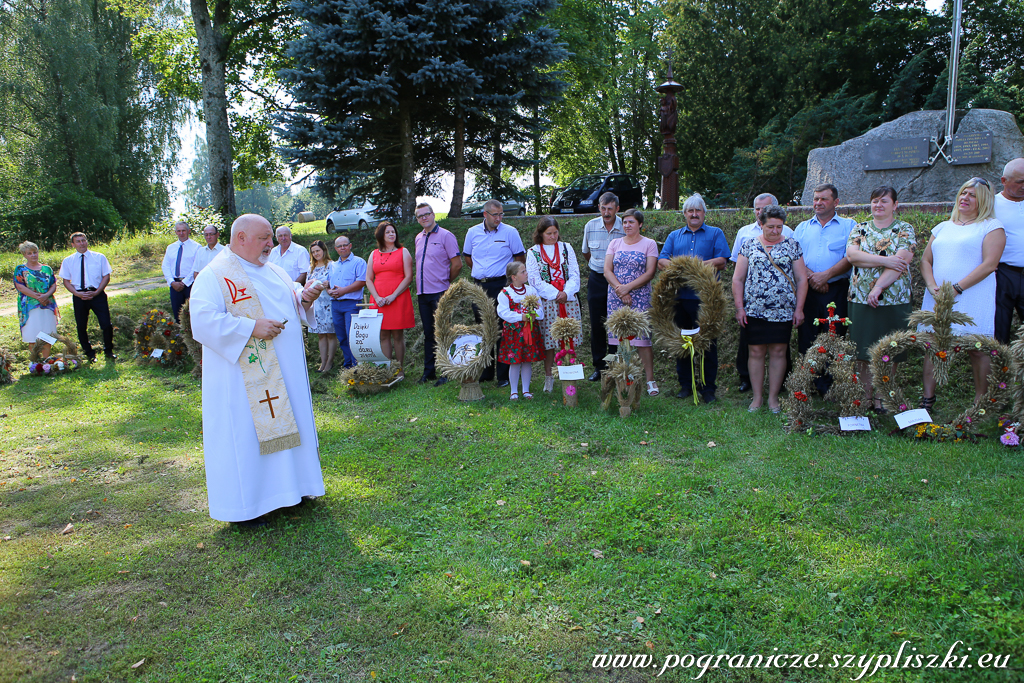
point(1009, 439)
point(885, 359)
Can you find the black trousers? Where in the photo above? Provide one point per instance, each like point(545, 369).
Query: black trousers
point(493, 288)
point(428, 308)
point(816, 306)
point(597, 307)
point(98, 305)
point(743, 355)
point(178, 300)
point(1009, 298)
point(685, 318)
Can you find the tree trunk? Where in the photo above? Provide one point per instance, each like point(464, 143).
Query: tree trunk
point(538, 207)
point(496, 166)
point(459, 186)
point(212, 60)
point(408, 196)
point(65, 124)
point(618, 142)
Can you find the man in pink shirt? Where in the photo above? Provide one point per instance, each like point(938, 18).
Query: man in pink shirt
point(438, 262)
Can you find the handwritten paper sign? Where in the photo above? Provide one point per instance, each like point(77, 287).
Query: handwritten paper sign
point(157, 353)
point(855, 424)
point(566, 372)
point(912, 417)
point(42, 336)
point(364, 337)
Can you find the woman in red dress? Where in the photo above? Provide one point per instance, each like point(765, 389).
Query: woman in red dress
point(388, 274)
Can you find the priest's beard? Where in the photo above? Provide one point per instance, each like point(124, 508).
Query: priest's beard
point(263, 259)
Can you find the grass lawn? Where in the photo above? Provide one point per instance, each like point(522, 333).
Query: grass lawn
point(492, 541)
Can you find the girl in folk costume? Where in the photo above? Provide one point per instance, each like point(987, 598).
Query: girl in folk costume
point(519, 306)
point(555, 274)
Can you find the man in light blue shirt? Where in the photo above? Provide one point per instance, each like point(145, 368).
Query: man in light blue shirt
point(347, 277)
point(823, 241)
point(488, 249)
point(707, 243)
point(761, 202)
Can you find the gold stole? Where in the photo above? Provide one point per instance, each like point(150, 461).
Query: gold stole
point(264, 385)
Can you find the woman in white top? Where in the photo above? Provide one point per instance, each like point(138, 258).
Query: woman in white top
point(554, 272)
point(965, 251)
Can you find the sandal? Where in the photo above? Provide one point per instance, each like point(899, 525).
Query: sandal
point(514, 397)
point(527, 395)
point(928, 402)
point(652, 388)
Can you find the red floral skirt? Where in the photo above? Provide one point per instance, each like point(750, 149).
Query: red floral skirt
point(515, 350)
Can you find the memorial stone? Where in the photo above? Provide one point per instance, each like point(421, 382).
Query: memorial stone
point(981, 134)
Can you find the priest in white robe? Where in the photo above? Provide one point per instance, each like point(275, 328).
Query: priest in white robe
point(243, 484)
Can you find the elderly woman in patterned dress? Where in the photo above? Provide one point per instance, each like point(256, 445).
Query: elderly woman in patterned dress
point(769, 287)
point(555, 274)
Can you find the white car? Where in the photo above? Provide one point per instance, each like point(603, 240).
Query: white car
point(357, 214)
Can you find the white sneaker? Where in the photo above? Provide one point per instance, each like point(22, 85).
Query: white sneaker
point(549, 383)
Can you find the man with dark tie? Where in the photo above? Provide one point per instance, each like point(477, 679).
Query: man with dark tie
point(86, 274)
point(179, 266)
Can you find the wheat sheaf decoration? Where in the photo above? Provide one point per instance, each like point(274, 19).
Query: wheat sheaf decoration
point(692, 272)
point(944, 348)
point(465, 365)
point(368, 378)
point(622, 378)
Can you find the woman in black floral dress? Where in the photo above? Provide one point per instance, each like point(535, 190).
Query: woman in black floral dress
point(769, 287)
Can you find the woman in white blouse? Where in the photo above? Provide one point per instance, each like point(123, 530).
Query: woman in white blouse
point(555, 274)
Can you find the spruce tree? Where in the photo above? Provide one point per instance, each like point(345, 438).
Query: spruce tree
point(379, 87)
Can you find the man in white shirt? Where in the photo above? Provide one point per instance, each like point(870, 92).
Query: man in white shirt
point(761, 202)
point(213, 247)
point(179, 266)
point(1009, 209)
point(291, 256)
point(86, 274)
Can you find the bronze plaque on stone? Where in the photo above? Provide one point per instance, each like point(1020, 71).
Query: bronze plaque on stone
point(971, 148)
point(879, 155)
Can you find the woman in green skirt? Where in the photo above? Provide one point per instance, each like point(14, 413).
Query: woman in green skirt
point(880, 251)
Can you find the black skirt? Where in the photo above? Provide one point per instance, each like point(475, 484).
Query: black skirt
point(760, 331)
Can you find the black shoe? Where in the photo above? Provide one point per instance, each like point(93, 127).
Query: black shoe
point(503, 383)
point(595, 376)
point(424, 379)
point(708, 397)
point(744, 385)
point(684, 393)
point(92, 359)
point(110, 356)
point(440, 381)
point(252, 523)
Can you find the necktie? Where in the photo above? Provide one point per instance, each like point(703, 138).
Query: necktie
point(177, 264)
point(82, 277)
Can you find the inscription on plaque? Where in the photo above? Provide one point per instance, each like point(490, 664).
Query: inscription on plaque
point(971, 148)
point(880, 155)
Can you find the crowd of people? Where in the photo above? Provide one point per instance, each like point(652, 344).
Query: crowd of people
point(783, 279)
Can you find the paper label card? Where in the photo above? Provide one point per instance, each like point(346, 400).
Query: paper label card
point(157, 353)
point(566, 372)
point(912, 417)
point(857, 423)
point(42, 336)
point(369, 313)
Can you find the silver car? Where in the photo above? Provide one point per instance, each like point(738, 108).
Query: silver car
point(356, 214)
point(473, 207)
